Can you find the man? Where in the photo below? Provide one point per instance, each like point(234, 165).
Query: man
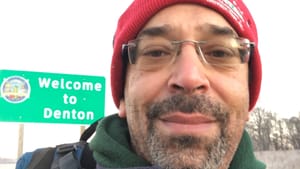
point(185, 75)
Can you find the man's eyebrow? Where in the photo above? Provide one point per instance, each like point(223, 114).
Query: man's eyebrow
point(211, 29)
point(155, 31)
point(218, 30)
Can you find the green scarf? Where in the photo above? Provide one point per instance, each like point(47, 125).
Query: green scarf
point(112, 149)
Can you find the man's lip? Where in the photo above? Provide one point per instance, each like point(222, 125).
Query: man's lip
point(180, 123)
point(187, 118)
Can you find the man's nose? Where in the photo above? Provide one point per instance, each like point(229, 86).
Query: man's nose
point(189, 74)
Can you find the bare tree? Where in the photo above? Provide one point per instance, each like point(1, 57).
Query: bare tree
point(280, 136)
point(293, 125)
point(259, 128)
point(271, 133)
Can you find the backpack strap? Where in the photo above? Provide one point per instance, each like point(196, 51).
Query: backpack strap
point(89, 131)
point(87, 160)
point(76, 155)
point(67, 156)
point(42, 158)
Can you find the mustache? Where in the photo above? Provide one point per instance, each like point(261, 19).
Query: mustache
point(188, 104)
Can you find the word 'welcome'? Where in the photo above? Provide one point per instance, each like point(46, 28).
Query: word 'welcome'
point(69, 85)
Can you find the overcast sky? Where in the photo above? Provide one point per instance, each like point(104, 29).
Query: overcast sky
point(278, 32)
point(72, 36)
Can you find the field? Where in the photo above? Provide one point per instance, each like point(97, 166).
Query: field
point(7, 166)
point(280, 159)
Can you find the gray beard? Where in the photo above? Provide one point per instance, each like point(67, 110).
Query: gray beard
point(187, 152)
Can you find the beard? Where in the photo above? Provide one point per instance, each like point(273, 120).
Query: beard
point(187, 151)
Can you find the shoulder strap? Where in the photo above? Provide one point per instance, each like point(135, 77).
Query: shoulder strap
point(89, 131)
point(87, 161)
point(42, 158)
point(66, 156)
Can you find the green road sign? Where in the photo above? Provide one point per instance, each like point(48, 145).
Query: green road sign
point(50, 98)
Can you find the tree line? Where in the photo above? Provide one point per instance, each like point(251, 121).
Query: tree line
point(268, 132)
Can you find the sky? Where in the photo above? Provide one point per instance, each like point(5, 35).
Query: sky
point(278, 30)
point(75, 37)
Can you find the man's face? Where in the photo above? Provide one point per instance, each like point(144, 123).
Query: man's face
point(185, 113)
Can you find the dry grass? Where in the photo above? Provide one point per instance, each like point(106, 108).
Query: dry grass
point(280, 159)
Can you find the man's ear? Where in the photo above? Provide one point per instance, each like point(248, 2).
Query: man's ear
point(122, 110)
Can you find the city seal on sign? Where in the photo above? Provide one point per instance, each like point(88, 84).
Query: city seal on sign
point(15, 89)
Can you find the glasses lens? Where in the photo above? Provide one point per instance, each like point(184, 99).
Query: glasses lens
point(225, 51)
point(150, 53)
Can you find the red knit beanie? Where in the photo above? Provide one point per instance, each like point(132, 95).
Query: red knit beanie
point(141, 11)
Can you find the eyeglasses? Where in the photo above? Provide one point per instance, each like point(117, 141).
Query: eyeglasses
point(157, 52)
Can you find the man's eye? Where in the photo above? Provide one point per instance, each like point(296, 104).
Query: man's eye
point(219, 53)
point(155, 53)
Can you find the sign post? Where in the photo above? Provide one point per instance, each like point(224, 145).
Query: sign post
point(51, 98)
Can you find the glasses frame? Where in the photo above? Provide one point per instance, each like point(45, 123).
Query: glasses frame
point(132, 59)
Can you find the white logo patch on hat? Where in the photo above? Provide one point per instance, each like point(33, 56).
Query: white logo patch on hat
point(232, 8)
